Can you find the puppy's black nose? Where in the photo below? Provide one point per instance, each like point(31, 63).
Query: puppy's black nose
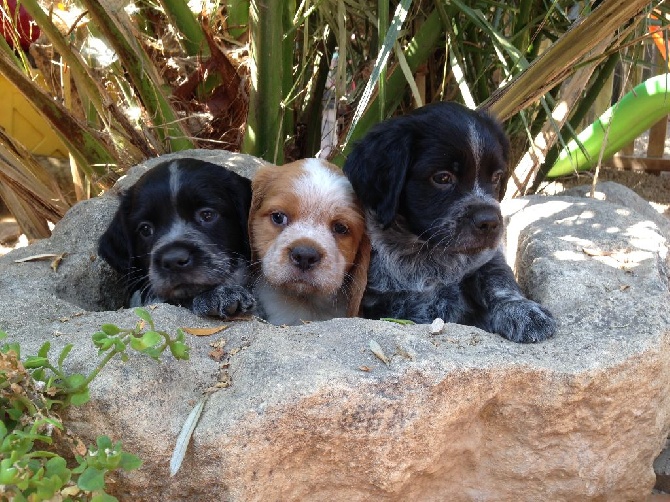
point(304, 257)
point(486, 220)
point(176, 259)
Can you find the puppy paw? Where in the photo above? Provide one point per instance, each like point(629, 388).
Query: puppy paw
point(522, 321)
point(224, 301)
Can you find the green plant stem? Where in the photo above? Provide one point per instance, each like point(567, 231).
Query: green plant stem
point(182, 17)
point(264, 136)
point(142, 73)
point(418, 50)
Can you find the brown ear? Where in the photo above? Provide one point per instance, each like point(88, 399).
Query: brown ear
point(359, 277)
point(259, 188)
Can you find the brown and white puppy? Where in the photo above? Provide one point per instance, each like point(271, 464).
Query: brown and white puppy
point(309, 248)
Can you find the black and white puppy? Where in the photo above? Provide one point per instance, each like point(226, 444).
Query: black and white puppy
point(431, 182)
point(180, 236)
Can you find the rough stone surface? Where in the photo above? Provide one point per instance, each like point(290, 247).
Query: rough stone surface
point(312, 414)
point(620, 194)
point(662, 469)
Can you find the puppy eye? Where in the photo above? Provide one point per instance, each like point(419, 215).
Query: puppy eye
point(340, 228)
point(443, 178)
point(145, 229)
point(206, 215)
point(279, 218)
point(497, 176)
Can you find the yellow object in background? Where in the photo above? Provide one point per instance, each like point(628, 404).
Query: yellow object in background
point(21, 121)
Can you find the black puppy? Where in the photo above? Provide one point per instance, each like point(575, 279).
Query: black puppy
point(180, 236)
point(431, 182)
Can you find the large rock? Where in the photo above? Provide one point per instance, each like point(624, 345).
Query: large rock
point(312, 414)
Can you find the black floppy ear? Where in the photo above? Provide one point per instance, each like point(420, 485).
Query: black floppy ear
point(239, 188)
point(114, 246)
point(503, 140)
point(377, 168)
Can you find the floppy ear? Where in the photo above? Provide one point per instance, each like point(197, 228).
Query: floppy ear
point(499, 133)
point(359, 277)
point(239, 189)
point(259, 188)
point(377, 168)
point(115, 246)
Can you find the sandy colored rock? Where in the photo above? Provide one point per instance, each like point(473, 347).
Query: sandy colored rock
point(312, 414)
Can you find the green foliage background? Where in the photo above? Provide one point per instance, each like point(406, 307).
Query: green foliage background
point(121, 82)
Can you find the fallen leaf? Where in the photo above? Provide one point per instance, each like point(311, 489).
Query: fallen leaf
point(38, 257)
point(397, 321)
point(377, 351)
point(184, 437)
point(364, 368)
point(403, 353)
point(204, 331)
point(56, 262)
point(217, 354)
point(624, 287)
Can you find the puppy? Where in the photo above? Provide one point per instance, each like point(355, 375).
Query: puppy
point(308, 243)
point(431, 182)
point(180, 236)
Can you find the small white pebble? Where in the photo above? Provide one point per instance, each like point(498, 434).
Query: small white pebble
point(437, 326)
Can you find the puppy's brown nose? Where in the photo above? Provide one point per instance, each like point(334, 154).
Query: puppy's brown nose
point(176, 259)
point(486, 220)
point(304, 257)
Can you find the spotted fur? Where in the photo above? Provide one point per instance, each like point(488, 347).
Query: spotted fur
point(431, 182)
point(180, 236)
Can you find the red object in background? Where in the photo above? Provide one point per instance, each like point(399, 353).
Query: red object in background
point(27, 29)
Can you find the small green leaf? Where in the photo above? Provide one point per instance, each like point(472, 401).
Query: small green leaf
point(44, 350)
point(105, 344)
point(13, 347)
point(80, 398)
point(8, 473)
point(103, 442)
point(63, 354)
point(151, 338)
point(91, 480)
point(129, 462)
point(110, 329)
point(75, 380)
point(179, 350)
point(57, 466)
point(3, 335)
point(152, 352)
point(137, 344)
point(144, 315)
point(96, 337)
point(33, 362)
point(397, 321)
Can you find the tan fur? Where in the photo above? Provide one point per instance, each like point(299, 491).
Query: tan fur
point(342, 272)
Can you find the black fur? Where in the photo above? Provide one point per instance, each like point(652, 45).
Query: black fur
point(431, 183)
point(180, 236)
